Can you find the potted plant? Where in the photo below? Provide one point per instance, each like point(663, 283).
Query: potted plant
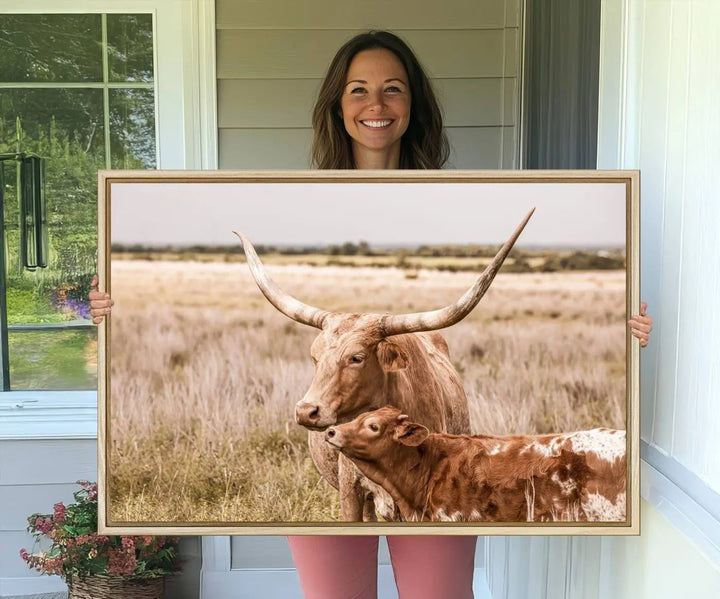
point(95, 565)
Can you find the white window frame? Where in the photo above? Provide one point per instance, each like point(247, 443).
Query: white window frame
point(186, 133)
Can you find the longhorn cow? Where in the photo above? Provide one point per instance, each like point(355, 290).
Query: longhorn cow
point(367, 361)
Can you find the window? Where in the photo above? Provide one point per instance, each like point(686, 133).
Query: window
point(183, 89)
point(78, 91)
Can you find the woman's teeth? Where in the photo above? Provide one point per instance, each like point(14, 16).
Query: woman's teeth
point(376, 124)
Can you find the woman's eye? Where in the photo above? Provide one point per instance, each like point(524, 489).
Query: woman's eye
point(393, 89)
point(357, 90)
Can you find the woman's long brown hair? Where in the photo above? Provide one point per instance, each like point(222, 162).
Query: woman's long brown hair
point(424, 145)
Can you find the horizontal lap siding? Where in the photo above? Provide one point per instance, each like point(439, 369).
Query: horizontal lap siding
point(263, 103)
point(271, 60)
point(348, 14)
point(34, 475)
point(253, 54)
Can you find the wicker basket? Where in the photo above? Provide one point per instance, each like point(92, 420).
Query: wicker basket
point(115, 587)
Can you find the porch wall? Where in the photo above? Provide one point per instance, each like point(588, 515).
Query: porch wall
point(271, 58)
point(34, 475)
point(659, 88)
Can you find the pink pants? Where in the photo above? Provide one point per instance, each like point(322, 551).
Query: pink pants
point(345, 567)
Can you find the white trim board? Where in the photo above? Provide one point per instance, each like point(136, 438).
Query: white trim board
point(690, 483)
point(48, 415)
point(46, 587)
point(680, 506)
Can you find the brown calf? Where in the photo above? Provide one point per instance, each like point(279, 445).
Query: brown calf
point(575, 477)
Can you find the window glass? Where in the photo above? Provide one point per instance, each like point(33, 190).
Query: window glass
point(55, 47)
point(62, 118)
point(132, 128)
point(130, 47)
point(68, 359)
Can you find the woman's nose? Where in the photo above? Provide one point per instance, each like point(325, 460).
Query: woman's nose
point(376, 100)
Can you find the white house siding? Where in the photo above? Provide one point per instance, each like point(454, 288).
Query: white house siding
point(673, 49)
point(271, 58)
point(659, 93)
point(34, 475)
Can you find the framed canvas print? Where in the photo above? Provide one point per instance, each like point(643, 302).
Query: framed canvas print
point(369, 352)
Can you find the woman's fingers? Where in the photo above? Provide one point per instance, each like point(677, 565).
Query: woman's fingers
point(100, 302)
point(641, 325)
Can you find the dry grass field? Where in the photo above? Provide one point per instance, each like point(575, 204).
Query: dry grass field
point(205, 375)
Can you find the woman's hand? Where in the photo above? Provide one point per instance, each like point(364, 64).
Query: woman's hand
point(100, 303)
point(641, 325)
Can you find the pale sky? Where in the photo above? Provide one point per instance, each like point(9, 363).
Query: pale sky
point(568, 214)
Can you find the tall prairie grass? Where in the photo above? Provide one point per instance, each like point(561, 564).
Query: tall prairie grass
point(205, 375)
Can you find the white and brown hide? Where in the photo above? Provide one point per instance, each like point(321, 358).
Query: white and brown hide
point(575, 477)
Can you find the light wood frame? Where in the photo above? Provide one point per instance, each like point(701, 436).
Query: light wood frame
point(630, 180)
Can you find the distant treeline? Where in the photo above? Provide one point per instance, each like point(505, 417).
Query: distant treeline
point(361, 248)
point(440, 257)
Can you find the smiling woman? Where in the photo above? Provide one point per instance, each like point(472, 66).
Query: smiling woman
point(377, 109)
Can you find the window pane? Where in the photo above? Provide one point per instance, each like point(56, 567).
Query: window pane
point(132, 128)
point(49, 117)
point(130, 47)
point(50, 48)
point(67, 128)
point(53, 360)
point(64, 126)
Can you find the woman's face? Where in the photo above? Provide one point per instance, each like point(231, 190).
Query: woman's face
point(375, 103)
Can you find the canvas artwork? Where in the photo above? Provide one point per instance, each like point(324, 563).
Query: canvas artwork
point(357, 353)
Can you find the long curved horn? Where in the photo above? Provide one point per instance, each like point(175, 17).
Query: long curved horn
point(449, 315)
point(283, 301)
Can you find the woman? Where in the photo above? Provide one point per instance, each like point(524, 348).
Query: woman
point(376, 110)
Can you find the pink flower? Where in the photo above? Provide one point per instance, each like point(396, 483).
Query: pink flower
point(82, 539)
point(53, 565)
point(100, 539)
point(128, 543)
point(121, 561)
point(59, 512)
point(24, 554)
point(91, 488)
point(43, 525)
